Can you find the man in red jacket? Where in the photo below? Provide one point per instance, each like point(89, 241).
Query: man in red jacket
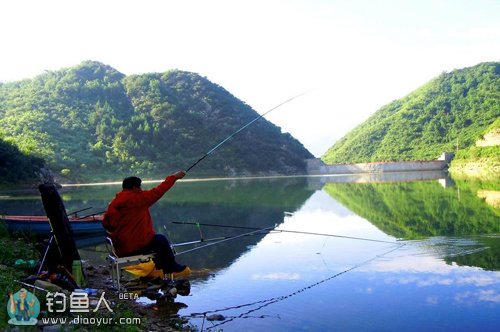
point(129, 222)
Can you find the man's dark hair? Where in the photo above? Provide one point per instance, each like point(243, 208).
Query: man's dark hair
point(131, 182)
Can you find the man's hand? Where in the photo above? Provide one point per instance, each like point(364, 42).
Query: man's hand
point(179, 174)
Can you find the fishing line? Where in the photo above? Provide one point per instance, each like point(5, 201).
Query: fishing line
point(241, 129)
point(267, 302)
point(167, 236)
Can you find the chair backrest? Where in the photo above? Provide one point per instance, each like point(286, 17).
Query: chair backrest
point(109, 246)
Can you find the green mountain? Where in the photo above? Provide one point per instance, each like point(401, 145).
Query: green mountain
point(90, 122)
point(453, 109)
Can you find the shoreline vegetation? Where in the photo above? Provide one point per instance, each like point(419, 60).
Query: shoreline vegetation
point(13, 248)
point(476, 169)
point(481, 160)
point(480, 169)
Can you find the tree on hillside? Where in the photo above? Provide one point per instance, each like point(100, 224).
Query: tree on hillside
point(454, 107)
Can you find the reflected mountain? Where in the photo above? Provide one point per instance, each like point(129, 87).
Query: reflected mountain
point(417, 209)
point(483, 251)
point(258, 203)
point(318, 182)
point(247, 203)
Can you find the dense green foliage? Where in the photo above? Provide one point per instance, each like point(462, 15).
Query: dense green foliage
point(91, 122)
point(418, 210)
point(453, 109)
point(16, 167)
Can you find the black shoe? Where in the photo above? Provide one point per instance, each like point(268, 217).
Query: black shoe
point(176, 268)
point(180, 268)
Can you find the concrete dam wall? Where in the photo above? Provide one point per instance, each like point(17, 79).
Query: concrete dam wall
point(318, 167)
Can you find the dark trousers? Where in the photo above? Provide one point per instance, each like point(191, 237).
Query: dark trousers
point(164, 257)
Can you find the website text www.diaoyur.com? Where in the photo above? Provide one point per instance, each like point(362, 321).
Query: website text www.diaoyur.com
point(97, 321)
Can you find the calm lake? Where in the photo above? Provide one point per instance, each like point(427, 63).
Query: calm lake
point(411, 252)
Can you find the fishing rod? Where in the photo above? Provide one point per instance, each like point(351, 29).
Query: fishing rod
point(202, 240)
point(199, 241)
point(92, 215)
point(282, 230)
point(254, 232)
point(77, 211)
point(32, 286)
point(241, 129)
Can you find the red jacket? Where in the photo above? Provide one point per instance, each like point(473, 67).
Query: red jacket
point(128, 220)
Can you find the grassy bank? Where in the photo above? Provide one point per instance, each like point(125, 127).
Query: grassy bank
point(152, 318)
point(12, 249)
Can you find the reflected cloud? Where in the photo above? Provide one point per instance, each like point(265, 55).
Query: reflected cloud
point(366, 291)
point(433, 300)
point(478, 280)
point(420, 281)
point(489, 295)
point(276, 276)
point(444, 280)
point(425, 270)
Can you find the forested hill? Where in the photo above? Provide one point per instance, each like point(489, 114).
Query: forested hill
point(454, 108)
point(90, 122)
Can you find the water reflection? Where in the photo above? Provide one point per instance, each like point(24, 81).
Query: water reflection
point(293, 282)
point(252, 203)
point(445, 277)
point(418, 209)
point(319, 181)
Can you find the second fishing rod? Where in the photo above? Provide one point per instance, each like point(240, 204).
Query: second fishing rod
point(273, 229)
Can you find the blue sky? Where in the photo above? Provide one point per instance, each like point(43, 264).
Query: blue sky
point(353, 56)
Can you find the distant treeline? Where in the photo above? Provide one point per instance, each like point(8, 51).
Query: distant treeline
point(91, 122)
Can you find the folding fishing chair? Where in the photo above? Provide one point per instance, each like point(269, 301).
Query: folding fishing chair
point(116, 263)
